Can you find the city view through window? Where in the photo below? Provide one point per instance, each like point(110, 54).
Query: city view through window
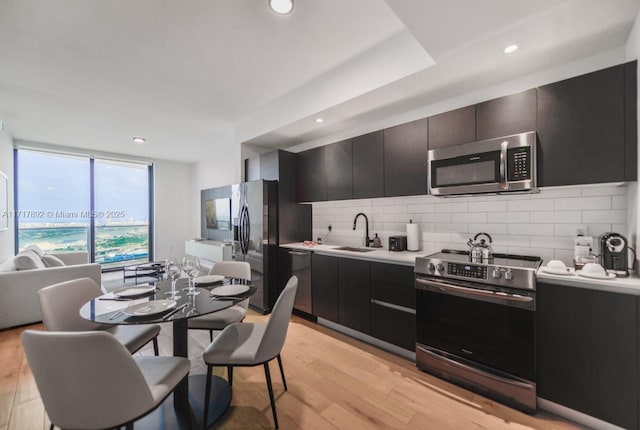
point(54, 206)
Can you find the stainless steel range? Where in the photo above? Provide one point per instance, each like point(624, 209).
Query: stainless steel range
point(476, 323)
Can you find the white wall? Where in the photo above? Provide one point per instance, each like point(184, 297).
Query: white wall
point(225, 169)
point(173, 211)
point(6, 166)
point(541, 224)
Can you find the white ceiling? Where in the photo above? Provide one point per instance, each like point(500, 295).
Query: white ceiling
point(190, 76)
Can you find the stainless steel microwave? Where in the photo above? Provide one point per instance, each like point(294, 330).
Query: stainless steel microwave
point(502, 165)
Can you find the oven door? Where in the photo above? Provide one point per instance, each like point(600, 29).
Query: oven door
point(494, 327)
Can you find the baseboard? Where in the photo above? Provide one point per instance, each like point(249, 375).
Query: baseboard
point(578, 417)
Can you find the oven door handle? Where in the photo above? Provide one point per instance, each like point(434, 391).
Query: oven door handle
point(503, 164)
point(444, 287)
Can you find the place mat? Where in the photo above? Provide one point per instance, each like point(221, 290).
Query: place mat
point(138, 290)
point(230, 290)
point(150, 308)
point(595, 276)
point(566, 271)
point(209, 279)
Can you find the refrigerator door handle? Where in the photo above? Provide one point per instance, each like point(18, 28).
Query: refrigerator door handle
point(244, 232)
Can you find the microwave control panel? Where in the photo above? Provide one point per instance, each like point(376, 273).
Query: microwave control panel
point(467, 270)
point(519, 164)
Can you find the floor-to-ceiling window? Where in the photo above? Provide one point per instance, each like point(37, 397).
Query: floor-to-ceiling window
point(71, 203)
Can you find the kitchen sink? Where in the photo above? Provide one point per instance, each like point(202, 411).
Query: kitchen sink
point(353, 249)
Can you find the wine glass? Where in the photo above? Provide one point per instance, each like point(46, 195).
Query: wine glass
point(193, 271)
point(173, 273)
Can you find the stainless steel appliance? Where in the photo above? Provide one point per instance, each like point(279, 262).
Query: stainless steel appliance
point(397, 243)
point(480, 251)
point(300, 263)
point(254, 207)
point(475, 323)
point(506, 164)
point(614, 254)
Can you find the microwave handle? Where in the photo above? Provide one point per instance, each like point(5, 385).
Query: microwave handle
point(503, 165)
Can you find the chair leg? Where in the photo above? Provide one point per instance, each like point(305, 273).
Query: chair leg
point(270, 387)
point(230, 374)
point(52, 427)
point(207, 397)
point(210, 335)
point(284, 381)
point(155, 346)
point(129, 426)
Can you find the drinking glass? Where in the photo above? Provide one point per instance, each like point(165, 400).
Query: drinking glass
point(173, 273)
point(193, 271)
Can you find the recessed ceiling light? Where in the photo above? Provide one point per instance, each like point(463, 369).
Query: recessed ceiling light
point(319, 120)
point(139, 140)
point(510, 49)
point(281, 7)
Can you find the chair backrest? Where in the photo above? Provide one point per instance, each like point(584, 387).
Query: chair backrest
point(86, 380)
point(60, 305)
point(232, 269)
point(276, 331)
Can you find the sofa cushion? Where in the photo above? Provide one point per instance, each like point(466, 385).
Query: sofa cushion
point(27, 260)
point(8, 266)
point(35, 248)
point(52, 261)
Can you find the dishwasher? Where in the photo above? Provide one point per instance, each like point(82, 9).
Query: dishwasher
point(301, 267)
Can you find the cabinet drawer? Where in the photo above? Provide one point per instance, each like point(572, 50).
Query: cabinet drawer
point(394, 326)
point(394, 284)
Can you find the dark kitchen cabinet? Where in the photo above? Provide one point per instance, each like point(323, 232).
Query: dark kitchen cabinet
point(312, 175)
point(581, 123)
point(405, 159)
point(630, 121)
point(393, 303)
point(294, 262)
point(324, 286)
point(504, 116)
point(353, 294)
point(452, 128)
point(368, 165)
point(339, 168)
point(588, 352)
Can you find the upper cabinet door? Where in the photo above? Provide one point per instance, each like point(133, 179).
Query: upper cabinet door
point(507, 115)
point(368, 166)
point(452, 128)
point(339, 167)
point(631, 121)
point(312, 175)
point(581, 129)
point(405, 159)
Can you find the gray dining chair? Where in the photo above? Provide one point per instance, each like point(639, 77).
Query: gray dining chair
point(60, 305)
point(253, 344)
point(236, 313)
point(89, 380)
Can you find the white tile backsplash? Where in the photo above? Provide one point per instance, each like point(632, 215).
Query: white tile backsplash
point(531, 224)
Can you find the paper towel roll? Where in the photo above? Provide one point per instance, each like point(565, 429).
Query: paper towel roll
point(413, 237)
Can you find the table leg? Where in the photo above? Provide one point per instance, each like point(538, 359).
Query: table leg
point(181, 349)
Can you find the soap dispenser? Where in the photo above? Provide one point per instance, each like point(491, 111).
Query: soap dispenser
point(377, 242)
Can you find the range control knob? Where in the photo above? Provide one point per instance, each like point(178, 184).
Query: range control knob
point(508, 275)
point(431, 267)
point(496, 273)
point(440, 267)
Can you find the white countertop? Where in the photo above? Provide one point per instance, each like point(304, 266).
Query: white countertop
point(630, 285)
point(380, 255)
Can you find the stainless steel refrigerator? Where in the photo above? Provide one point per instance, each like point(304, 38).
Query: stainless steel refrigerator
point(254, 208)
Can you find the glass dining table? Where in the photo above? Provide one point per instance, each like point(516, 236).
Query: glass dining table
point(156, 305)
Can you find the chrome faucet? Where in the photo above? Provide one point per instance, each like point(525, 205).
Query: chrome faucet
point(367, 241)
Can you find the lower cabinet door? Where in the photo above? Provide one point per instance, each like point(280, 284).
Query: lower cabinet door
point(324, 290)
point(395, 326)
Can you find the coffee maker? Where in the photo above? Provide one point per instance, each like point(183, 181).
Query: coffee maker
point(614, 254)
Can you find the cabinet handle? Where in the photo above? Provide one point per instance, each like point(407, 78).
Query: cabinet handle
point(303, 253)
point(392, 306)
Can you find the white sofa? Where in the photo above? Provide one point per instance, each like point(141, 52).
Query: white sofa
point(19, 288)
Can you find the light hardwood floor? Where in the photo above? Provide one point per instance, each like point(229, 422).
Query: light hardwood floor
point(334, 381)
